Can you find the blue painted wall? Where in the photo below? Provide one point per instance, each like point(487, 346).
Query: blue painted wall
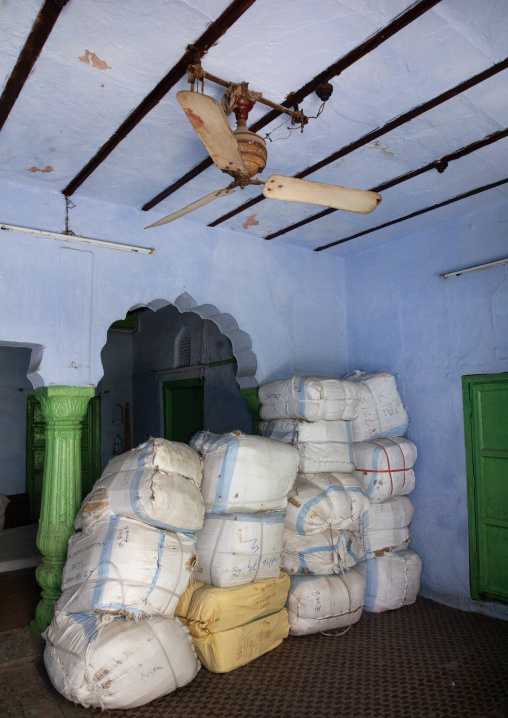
point(430, 332)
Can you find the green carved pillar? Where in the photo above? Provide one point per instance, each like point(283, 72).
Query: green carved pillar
point(63, 408)
point(251, 397)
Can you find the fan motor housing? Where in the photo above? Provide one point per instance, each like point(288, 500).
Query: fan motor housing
point(253, 150)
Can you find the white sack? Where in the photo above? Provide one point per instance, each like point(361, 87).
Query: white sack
point(385, 526)
point(324, 603)
point(385, 467)
point(239, 548)
point(243, 473)
point(126, 567)
point(172, 457)
point(321, 554)
point(318, 502)
point(308, 397)
point(294, 431)
point(391, 581)
point(112, 662)
point(380, 411)
point(167, 501)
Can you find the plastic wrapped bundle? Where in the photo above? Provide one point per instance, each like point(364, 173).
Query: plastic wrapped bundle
point(322, 501)
point(227, 650)
point(112, 662)
point(385, 526)
point(391, 581)
point(172, 457)
point(385, 467)
point(239, 548)
point(321, 554)
point(312, 398)
point(295, 431)
point(167, 501)
point(324, 603)
point(126, 567)
point(380, 411)
point(212, 610)
point(245, 473)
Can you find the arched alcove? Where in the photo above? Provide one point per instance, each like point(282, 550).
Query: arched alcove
point(144, 358)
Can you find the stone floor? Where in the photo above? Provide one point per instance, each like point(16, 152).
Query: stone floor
point(422, 661)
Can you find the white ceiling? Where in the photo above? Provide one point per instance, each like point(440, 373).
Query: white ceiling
point(104, 56)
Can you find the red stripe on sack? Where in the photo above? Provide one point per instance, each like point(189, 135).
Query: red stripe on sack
point(387, 461)
point(403, 460)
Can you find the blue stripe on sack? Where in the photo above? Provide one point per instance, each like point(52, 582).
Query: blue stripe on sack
point(88, 623)
point(301, 402)
point(375, 460)
point(160, 552)
point(302, 514)
point(397, 431)
point(104, 561)
point(226, 475)
point(272, 517)
point(135, 498)
point(371, 584)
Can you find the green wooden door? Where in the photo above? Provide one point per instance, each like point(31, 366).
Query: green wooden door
point(36, 449)
point(183, 409)
point(486, 425)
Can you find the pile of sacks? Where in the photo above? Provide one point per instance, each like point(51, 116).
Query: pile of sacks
point(114, 641)
point(235, 611)
point(347, 519)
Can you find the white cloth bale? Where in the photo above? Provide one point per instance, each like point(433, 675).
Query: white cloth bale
point(391, 580)
point(167, 501)
point(324, 603)
point(320, 455)
point(239, 548)
point(243, 473)
point(112, 662)
point(385, 467)
point(124, 566)
point(173, 457)
point(385, 526)
point(294, 431)
point(321, 554)
point(380, 411)
point(318, 502)
point(308, 397)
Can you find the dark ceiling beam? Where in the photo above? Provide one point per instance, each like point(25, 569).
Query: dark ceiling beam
point(472, 192)
point(400, 22)
point(44, 22)
point(379, 132)
point(199, 48)
point(440, 165)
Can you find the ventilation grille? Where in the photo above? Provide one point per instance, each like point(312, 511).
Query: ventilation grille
point(184, 352)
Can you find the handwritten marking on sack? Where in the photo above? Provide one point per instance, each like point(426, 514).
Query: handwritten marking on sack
point(150, 672)
point(255, 546)
point(317, 607)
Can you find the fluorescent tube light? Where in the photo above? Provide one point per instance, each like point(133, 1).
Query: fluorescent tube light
point(476, 268)
point(77, 238)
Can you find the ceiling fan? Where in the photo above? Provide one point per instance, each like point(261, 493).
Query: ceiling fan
point(242, 154)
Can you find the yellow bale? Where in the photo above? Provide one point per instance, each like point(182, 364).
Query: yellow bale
point(209, 609)
point(224, 651)
point(185, 600)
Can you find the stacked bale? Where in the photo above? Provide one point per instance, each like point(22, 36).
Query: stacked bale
point(246, 480)
point(322, 537)
point(126, 569)
point(384, 462)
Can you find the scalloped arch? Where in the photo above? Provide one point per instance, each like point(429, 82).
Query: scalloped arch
point(226, 323)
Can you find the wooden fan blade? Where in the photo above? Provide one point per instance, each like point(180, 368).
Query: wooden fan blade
point(327, 195)
point(191, 207)
point(211, 125)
